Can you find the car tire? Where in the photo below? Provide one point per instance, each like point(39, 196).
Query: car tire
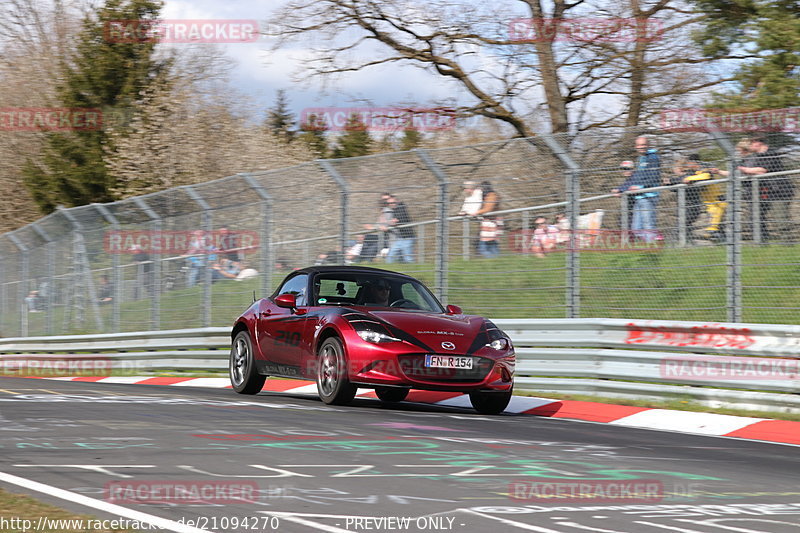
point(391, 394)
point(244, 377)
point(333, 385)
point(490, 403)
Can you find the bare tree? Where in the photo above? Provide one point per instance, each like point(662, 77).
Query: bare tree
point(35, 36)
point(571, 79)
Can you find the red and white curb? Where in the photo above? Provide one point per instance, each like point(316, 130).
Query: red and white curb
point(782, 431)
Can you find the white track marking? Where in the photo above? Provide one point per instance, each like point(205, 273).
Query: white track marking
point(686, 421)
point(100, 505)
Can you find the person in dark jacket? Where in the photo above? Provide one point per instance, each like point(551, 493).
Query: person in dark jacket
point(403, 246)
point(776, 193)
point(646, 174)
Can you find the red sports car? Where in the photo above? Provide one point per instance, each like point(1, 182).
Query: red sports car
point(348, 327)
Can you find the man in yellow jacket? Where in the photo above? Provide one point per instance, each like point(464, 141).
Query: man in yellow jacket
point(712, 196)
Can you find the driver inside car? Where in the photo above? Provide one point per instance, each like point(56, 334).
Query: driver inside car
point(379, 293)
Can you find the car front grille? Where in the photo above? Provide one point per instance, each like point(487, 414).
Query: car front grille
point(413, 366)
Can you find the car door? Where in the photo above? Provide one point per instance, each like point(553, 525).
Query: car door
point(280, 330)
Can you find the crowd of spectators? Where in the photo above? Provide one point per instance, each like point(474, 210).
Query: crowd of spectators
point(392, 236)
point(218, 255)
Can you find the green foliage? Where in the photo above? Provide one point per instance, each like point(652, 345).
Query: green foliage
point(313, 134)
point(104, 73)
point(411, 139)
point(355, 141)
point(770, 29)
point(280, 120)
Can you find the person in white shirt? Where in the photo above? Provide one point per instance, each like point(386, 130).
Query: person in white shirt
point(473, 199)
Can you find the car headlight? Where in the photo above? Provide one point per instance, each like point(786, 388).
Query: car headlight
point(497, 339)
point(373, 332)
point(377, 337)
point(499, 344)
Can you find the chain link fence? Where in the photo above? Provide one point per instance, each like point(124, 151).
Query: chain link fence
point(559, 242)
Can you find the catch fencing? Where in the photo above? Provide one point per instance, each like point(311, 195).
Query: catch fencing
point(745, 366)
point(159, 261)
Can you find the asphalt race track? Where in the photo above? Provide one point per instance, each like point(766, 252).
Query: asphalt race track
point(209, 459)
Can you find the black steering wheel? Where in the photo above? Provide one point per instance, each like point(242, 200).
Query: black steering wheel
point(402, 302)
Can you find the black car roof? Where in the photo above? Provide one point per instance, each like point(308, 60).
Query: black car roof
point(348, 268)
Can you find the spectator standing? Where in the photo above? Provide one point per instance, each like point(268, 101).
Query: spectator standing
point(473, 200)
point(144, 271)
point(776, 193)
point(32, 301)
point(491, 225)
point(195, 256)
point(626, 167)
point(384, 224)
point(403, 246)
point(646, 174)
point(105, 290)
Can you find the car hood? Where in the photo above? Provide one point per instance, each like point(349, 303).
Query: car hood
point(435, 332)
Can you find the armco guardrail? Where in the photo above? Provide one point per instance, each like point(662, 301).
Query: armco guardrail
point(749, 366)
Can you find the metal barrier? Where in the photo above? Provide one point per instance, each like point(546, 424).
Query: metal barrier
point(745, 366)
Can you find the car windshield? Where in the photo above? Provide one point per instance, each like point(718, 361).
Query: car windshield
point(374, 290)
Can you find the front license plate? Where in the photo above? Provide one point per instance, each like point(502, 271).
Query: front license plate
point(448, 361)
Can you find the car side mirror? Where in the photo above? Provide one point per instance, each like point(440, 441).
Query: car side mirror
point(288, 301)
point(453, 310)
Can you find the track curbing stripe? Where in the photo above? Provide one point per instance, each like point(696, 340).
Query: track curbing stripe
point(698, 423)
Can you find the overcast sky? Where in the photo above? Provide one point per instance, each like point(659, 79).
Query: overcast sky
point(260, 73)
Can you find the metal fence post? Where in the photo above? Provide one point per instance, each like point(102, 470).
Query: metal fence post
point(682, 217)
point(465, 238)
point(155, 297)
point(344, 198)
point(573, 211)
point(207, 227)
point(266, 232)
point(23, 283)
point(81, 266)
point(734, 228)
point(50, 275)
point(442, 235)
point(421, 246)
point(3, 304)
point(116, 274)
point(755, 211)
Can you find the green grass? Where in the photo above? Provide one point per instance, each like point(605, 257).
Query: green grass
point(673, 284)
